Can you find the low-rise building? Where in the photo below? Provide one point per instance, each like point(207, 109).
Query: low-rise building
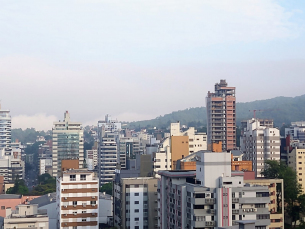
point(11, 201)
point(26, 216)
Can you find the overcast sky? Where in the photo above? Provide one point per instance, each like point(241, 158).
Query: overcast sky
point(140, 59)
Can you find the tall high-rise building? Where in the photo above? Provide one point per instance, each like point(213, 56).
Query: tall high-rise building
point(5, 131)
point(221, 116)
point(108, 149)
point(259, 143)
point(68, 143)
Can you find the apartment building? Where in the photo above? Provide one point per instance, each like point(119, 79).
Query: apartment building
point(177, 146)
point(296, 131)
point(91, 159)
point(135, 202)
point(77, 197)
point(45, 165)
point(11, 165)
point(276, 192)
point(296, 160)
point(260, 143)
point(5, 131)
point(108, 148)
point(26, 216)
point(210, 197)
point(67, 143)
point(221, 119)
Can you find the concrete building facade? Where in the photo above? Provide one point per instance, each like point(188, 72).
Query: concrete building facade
point(77, 198)
point(108, 149)
point(5, 131)
point(260, 143)
point(67, 143)
point(221, 119)
point(135, 203)
point(211, 197)
point(26, 216)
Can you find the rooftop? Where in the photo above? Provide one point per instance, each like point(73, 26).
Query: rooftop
point(77, 171)
point(177, 173)
point(10, 196)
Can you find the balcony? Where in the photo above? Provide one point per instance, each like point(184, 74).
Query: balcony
point(235, 200)
point(210, 201)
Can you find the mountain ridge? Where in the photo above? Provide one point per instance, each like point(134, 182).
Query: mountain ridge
point(283, 110)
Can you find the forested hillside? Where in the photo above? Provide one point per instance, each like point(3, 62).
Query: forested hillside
point(282, 110)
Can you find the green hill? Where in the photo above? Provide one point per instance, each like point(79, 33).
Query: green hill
point(283, 110)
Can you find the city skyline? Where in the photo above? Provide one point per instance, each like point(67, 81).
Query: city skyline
point(137, 61)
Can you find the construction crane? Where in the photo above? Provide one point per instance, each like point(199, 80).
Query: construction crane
point(254, 111)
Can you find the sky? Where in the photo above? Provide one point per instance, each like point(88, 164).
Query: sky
point(140, 59)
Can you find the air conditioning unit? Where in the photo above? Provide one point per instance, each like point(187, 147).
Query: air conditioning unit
point(248, 210)
point(65, 206)
point(65, 215)
point(93, 205)
point(66, 224)
point(84, 205)
point(74, 205)
point(66, 198)
point(244, 210)
point(93, 197)
point(75, 213)
point(93, 214)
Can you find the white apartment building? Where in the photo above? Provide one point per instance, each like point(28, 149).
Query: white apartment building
point(26, 216)
point(5, 131)
point(211, 197)
point(67, 143)
point(259, 143)
point(163, 158)
point(296, 131)
point(91, 159)
point(108, 149)
point(45, 164)
point(77, 197)
point(11, 165)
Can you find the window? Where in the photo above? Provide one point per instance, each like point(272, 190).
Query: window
point(2, 207)
point(84, 220)
point(136, 227)
point(74, 202)
point(136, 210)
point(93, 202)
point(82, 177)
point(84, 211)
point(136, 202)
point(136, 219)
point(136, 194)
point(72, 177)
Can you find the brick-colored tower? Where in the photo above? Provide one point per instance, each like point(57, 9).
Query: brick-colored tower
point(221, 116)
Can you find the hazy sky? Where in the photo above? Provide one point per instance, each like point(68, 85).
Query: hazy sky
point(140, 59)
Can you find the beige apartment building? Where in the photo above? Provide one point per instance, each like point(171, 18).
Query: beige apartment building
point(178, 145)
point(77, 198)
point(26, 216)
point(296, 160)
point(276, 214)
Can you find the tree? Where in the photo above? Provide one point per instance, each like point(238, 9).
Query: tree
point(107, 188)
point(19, 188)
point(293, 197)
